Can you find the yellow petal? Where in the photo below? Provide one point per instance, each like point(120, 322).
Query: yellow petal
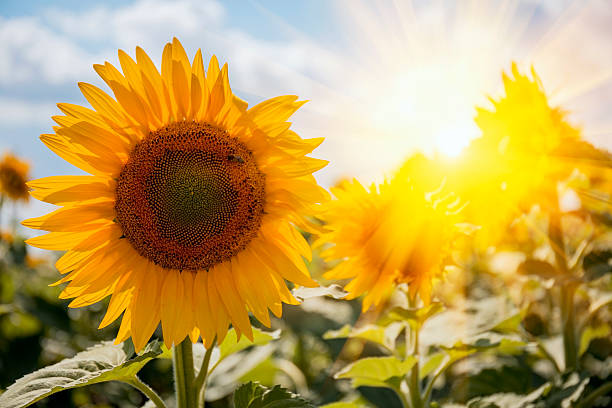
point(118, 303)
point(199, 91)
point(171, 301)
point(75, 218)
point(59, 241)
point(220, 316)
point(60, 190)
point(234, 304)
point(146, 305)
point(201, 307)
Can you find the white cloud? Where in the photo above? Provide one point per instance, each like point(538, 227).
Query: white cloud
point(16, 112)
point(29, 51)
point(58, 46)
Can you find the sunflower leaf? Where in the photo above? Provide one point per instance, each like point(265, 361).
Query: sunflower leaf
point(413, 316)
point(100, 363)
point(357, 403)
point(591, 333)
point(384, 336)
point(255, 395)
point(537, 267)
point(433, 362)
point(377, 371)
point(232, 345)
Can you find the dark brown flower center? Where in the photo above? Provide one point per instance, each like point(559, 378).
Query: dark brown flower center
point(13, 183)
point(190, 196)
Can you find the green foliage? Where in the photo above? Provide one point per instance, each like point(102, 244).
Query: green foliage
point(383, 336)
point(539, 268)
point(413, 316)
point(377, 371)
point(254, 395)
point(104, 362)
point(593, 332)
point(231, 345)
point(564, 394)
point(597, 264)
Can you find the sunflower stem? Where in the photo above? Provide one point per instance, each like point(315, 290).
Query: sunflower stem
point(182, 359)
point(569, 330)
point(412, 338)
point(146, 390)
point(568, 287)
point(200, 381)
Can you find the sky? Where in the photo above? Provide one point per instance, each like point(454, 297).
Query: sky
point(383, 78)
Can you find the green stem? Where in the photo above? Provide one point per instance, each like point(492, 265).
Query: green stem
point(200, 381)
point(530, 337)
point(568, 287)
point(402, 397)
point(146, 390)
point(430, 384)
point(414, 383)
point(590, 400)
point(568, 315)
point(182, 359)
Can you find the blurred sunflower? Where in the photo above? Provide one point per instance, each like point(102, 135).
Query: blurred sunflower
point(13, 177)
point(188, 215)
point(526, 147)
point(389, 234)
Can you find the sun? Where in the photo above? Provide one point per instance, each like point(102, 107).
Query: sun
point(427, 107)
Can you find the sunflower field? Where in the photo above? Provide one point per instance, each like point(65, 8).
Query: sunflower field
point(195, 256)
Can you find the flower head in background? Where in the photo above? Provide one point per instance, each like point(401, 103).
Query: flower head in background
point(188, 214)
point(13, 177)
point(526, 148)
point(387, 235)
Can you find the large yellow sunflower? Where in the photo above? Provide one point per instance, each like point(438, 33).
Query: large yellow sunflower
point(389, 234)
point(13, 177)
point(189, 214)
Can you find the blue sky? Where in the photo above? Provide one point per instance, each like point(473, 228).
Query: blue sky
point(384, 79)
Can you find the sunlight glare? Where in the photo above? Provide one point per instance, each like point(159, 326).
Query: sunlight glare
point(432, 103)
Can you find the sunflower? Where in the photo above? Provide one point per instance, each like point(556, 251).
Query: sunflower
point(189, 213)
point(525, 147)
point(387, 235)
point(13, 177)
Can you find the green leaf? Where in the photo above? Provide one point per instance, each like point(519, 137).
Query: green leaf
point(334, 291)
point(489, 343)
point(509, 400)
point(507, 378)
point(414, 316)
point(558, 395)
point(384, 336)
point(358, 403)
point(232, 345)
point(377, 371)
point(433, 362)
point(511, 324)
point(597, 264)
point(255, 395)
point(590, 333)
point(228, 374)
point(600, 299)
point(103, 362)
point(537, 267)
